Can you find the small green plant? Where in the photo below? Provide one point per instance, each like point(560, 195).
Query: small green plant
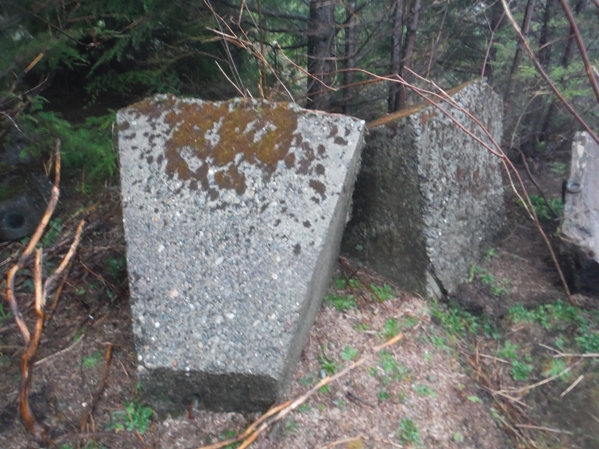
point(392, 367)
point(555, 367)
point(325, 389)
point(424, 390)
point(408, 432)
point(341, 303)
point(308, 380)
point(116, 267)
point(349, 353)
point(474, 399)
point(91, 361)
point(384, 293)
point(229, 434)
point(521, 370)
point(292, 426)
point(509, 351)
point(327, 365)
point(491, 253)
point(383, 395)
point(559, 168)
point(4, 314)
point(486, 277)
point(458, 437)
point(390, 329)
point(54, 228)
point(134, 417)
point(588, 341)
point(542, 210)
point(361, 327)
point(439, 342)
point(339, 283)
point(304, 408)
point(455, 321)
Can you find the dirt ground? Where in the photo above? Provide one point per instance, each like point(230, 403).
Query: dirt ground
point(438, 386)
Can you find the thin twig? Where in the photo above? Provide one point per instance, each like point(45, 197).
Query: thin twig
point(546, 429)
point(571, 387)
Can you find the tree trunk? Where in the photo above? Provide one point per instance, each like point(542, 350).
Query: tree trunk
point(408, 52)
point(396, 38)
point(321, 35)
point(530, 6)
point(564, 62)
point(497, 22)
point(350, 56)
point(539, 103)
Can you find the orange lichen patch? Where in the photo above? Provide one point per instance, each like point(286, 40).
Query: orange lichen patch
point(154, 108)
point(217, 135)
point(416, 108)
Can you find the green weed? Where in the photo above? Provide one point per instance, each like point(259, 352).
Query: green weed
point(349, 353)
point(509, 351)
point(134, 417)
point(458, 437)
point(392, 367)
point(292, 426)
point(116, 267)
point(474, 399)
point(408, 432)
point(308, 380)
point(52, 233)
point(91, 361)
point(383, 293)
point(521, 370)
point(455, 321)
point(390, 329)
point(383, 395)
point(341, 303)
point(487, 278)
point(556, 366)
point(559, 168)
point(304, 408)
point(327, 365)
point(491, 253)
point(4, 314)
point(424, 390)
point(541, 210)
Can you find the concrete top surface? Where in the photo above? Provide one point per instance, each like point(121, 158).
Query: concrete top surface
point(226, 207)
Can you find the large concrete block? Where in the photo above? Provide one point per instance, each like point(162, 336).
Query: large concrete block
point(233, 216)
point(428, 196)
point(580, 225)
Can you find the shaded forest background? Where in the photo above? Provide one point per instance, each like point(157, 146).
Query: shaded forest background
point(66, 66)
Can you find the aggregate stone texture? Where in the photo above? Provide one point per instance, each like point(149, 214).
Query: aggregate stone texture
point(580, 226)
point(233, 215)
point(429, 198)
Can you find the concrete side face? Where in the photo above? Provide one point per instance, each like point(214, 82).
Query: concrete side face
point(233, 215)
point(580, 226)
point(385, 231)
point(440, 205)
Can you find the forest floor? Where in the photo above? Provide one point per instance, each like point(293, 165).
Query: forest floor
point(505, 371)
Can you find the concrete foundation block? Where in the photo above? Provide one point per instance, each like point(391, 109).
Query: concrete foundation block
point(580, 226)
point(428, 197)
point(233, 215)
